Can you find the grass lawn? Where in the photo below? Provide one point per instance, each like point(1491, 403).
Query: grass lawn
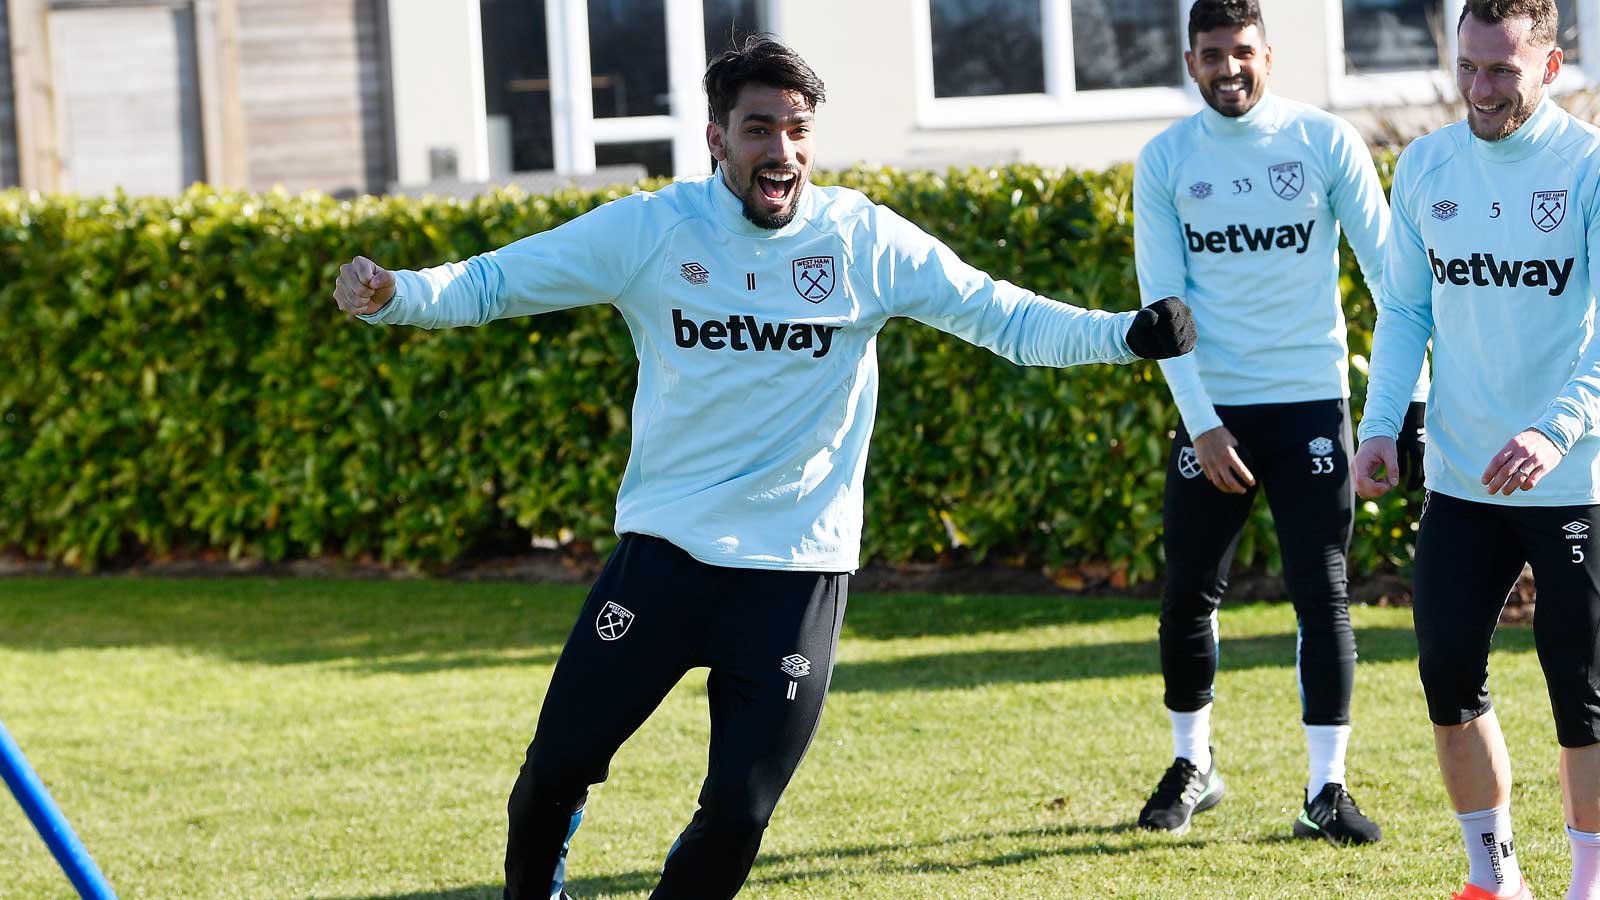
point(260, 738)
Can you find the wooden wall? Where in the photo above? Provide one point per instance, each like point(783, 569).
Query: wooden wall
point(8, 108)
point(313, 84)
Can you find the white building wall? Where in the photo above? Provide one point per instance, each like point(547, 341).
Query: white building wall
point(436, 50)
point(872, 54)
point(871, 69)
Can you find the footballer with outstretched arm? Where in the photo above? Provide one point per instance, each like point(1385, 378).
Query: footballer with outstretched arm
point(754, 301)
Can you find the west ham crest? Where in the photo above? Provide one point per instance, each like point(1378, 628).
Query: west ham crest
point(1287, 179)
point(1188, 463)
point(1549, 209)
point(613, 622)
point(813, 277)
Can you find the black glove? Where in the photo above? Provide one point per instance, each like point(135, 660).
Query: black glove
point(1162, 330)
point(1409, 445)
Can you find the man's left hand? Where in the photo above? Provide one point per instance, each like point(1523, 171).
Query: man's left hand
point(1521, 463)
point(1162, 330)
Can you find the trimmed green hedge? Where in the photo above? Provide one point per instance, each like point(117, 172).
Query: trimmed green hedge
point(178, 381)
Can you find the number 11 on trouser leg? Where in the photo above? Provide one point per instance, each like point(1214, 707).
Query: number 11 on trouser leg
point(46, 817)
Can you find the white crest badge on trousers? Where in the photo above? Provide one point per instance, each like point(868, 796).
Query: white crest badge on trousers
point(613, 622)
point(1188, 463)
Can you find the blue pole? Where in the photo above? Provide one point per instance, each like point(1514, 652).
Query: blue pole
point(53, 827)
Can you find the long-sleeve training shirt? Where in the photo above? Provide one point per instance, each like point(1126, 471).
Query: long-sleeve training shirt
point(1241, 217)
point(1493, 246)
point(758, 373)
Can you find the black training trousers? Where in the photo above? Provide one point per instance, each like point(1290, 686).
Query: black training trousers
point(655, 613)
point(1469, 555)
point(1300, 455)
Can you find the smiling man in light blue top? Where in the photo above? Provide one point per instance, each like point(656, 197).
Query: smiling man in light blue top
point(1496, 242)
point(1238, 210)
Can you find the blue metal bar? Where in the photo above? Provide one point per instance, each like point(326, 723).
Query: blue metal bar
point(46, 816)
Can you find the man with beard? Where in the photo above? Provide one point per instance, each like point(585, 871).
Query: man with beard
point(1496, 242)
point(754, 301)
point(1237, 209)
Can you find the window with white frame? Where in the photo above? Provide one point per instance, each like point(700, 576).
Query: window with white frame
point(1392, 35)
point(572, 84)
point(1572, 27)
point(995, 62)
point(986, 48)
point(1401, 51)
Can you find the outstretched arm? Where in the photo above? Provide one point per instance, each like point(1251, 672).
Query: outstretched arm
point(585, 261)
point(920, 278)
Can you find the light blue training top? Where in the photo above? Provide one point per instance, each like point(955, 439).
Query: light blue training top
point(1493, 247)
point(758, 372)
point(1241, 218)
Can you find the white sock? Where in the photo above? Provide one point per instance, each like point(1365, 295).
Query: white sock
point(1585, 865)
point(1325, 746)
point(1191, 736)
point(1490, 851)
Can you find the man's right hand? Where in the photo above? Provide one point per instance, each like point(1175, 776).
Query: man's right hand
point(1374, 454)
point(1214, 450)
point(363, 287)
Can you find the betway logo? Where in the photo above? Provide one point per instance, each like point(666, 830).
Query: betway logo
point(748, 333)
point(1242, 237)
point(1483, 270)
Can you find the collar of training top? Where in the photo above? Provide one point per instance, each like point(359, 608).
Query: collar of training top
point(1261, 117)
point(728, 210)
point(1525, 141)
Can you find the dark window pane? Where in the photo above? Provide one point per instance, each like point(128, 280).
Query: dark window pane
point(655, 156)
point(1571, 22)
point(1391, 35)
point(1125, 44)
point(729, 22)
point(987, 47)
point(516, 78)
point(628, 56)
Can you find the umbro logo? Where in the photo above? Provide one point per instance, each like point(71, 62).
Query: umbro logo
point(1576, 531)
point(1200, 190)
point(1446, 210)
point(694, 273)
point(795, 666)
point(1321, 447)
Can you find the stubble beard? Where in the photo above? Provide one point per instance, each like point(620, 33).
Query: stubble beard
point(1251, 97)
point(1519, 116)
point(759, 217)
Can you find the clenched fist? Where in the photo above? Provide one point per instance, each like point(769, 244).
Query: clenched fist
point(363, 287)
point(1162, 330)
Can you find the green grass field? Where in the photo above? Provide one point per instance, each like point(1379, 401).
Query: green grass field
point(259, 738)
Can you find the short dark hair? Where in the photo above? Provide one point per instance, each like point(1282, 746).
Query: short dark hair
point(759, 60)
point(1208, 14)
point(1542, 12)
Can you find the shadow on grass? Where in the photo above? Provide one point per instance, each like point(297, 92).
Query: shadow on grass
point(1112, 660)
point(401, 627)
point(889, 616)
point(476, 892)
point(367, 626)
point(900, 858)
